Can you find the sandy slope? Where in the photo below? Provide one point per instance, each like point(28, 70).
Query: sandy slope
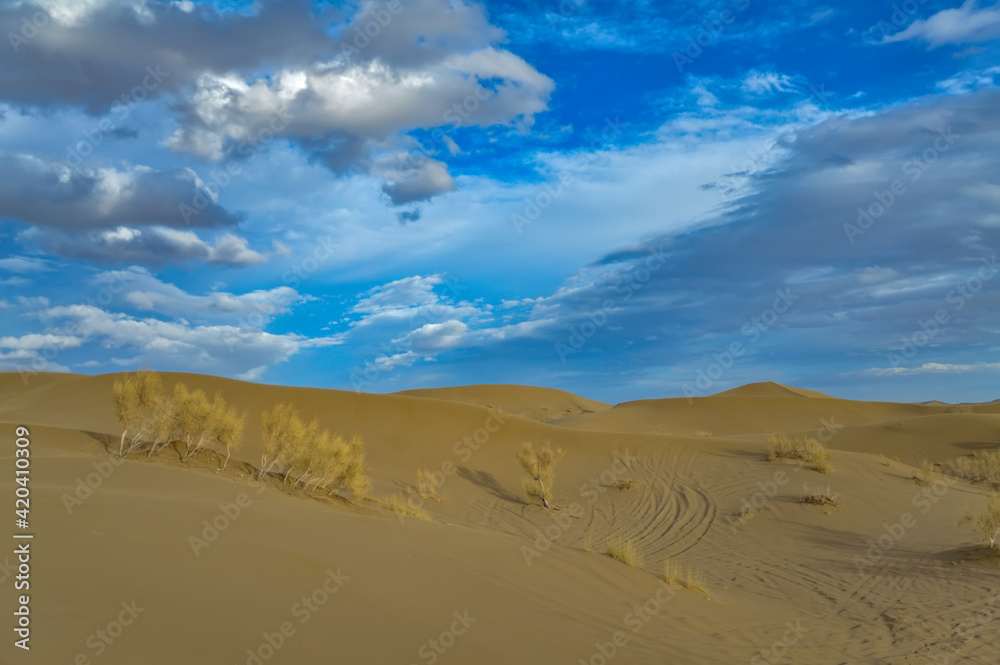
point(401, 582)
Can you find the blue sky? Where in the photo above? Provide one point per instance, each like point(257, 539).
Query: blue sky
point(623, 200)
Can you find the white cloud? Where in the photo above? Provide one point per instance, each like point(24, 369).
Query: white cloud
point(967, 24)
point(214, 349)
point(140, 289)
point(46, 193)
point(765, 83)
point(23, 265)
point(151, 246)
point(928, 368)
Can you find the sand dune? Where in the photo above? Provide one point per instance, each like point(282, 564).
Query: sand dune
point(481, 582)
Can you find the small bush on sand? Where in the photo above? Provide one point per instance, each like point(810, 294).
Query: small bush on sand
point(985, 523)
point(959, 408)
point(625, 551)
point(804, 449)
point(540, 466)
point(626, 484)
point(703, 434)
point(309, 457)
point(399, 504)
point(136, 397)
point(980, 466)
point(926, 475)
point(689, 578)
point(820, 496)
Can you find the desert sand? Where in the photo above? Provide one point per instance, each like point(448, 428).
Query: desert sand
point(494, 579)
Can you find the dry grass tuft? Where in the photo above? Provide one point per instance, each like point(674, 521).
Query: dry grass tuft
point(703, 434)
point(399, 504)
point(689, 578)
point(982, 467)
point(986, 523)
point(626, 484)
point(426, 487)
point(804, 449)
point(625, 551)
point(820, 496)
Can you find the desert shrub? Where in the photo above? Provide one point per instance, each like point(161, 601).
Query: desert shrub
point(986, 523)
point(820, 496)
point(228, 433)
point(399, 504)
point(310, 457)
point(626, 484)
point(625, 551)
point(689, 578)
point(805, 449)
point(703, 434)
point(137, 398)
point(980, 466)
point(282, 430)
point(195, 418)
point(927, 474)
point(959, 408)
point(540, 466)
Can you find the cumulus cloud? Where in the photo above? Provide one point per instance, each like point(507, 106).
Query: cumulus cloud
point(154, 246)
point(138, 288)
point(425, 181)
point(178, 344)
point(968, 24)
point(50, 194)
point(435, 68)
point(93, 53)
point(345, 89)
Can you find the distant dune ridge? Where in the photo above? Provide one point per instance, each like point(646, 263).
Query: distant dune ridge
point(766, 562)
